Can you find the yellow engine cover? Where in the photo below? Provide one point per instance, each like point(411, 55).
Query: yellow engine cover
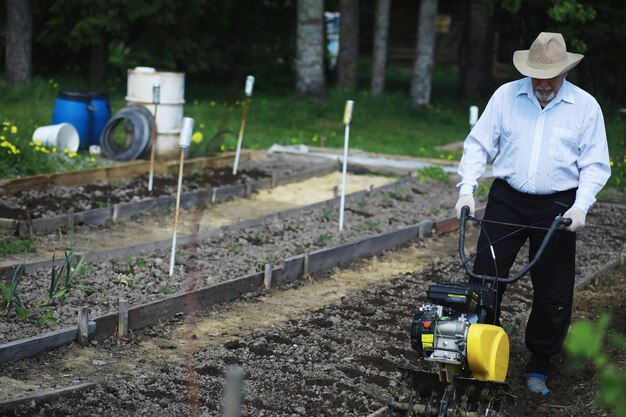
point(488, 352)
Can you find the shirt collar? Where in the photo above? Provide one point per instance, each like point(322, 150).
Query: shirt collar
point(565, 92)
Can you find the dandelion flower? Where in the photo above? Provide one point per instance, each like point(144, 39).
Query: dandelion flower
point(72, 154)
point(197, 137)
point(54, 149)
point(13, 129)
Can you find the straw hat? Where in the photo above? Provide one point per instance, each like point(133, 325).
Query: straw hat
point(546, 58)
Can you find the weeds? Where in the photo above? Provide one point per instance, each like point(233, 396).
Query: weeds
point(328, 214)
point(234, 247)
point(323, 239)
point(132, 263)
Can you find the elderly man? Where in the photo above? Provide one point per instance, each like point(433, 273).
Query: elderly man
point(551, 158)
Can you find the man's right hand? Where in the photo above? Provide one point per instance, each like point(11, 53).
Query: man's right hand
point(465, 200)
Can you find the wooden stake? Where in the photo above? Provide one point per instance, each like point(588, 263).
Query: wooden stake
point(183, 143)
point(156, 98)
point(122, 323)
point(83, 326)
point(246, 105)
point(267, 279)
point(347, 118)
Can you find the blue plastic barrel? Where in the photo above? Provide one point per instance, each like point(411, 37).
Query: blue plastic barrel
point(73, 108)
point(100, 112)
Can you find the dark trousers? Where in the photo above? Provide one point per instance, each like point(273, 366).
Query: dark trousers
point(553, 274)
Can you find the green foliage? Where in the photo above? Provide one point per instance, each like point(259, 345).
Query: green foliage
point(482, 190)
point(328, 214)
point(323, 239)
point(10, 296)
point(434, 173)
point(46, 318)
point(12, 246)
point(64, 279)
point(584, 343)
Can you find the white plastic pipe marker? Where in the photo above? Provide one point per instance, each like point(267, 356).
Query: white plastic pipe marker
point(347, 118)
point(183, 143)
point(246, 104)
point(156, 99)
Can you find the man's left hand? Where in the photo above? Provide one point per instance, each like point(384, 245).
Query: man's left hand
point(578, 219)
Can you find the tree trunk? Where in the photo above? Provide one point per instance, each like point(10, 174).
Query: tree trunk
point(99, 59)
point(424, 59)
point(381, 35)
point(310, 49)
point(18, 60)
point(476, 61)
point(348, 44)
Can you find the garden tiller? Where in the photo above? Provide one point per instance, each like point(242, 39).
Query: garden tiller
point(469, 356)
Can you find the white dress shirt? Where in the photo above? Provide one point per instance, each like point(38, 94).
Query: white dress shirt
point(539, 151)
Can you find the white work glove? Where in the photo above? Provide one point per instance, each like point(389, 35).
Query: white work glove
point(465, 200)
point(578, 219)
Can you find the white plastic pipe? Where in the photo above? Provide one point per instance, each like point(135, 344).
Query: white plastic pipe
point(183, 143)
point(156, 99)
point(246, 104)
point(347, 118)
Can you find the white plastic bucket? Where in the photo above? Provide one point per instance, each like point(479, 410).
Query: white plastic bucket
point(141, 81)
point(167, 145)
point(61, 136)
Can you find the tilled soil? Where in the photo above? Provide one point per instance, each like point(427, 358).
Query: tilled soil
point(230, 255)
point(57, 200)
point(334, 360)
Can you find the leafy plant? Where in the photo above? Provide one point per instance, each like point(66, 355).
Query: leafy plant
point(371, 224)
point(10, 297)
point(387, 200)
point(46, 318)
point(323, 239)
point(257, 239)
point(234, 247)
point(434, 173)
point(64, 279)
point(328, 214)
point(584, 343)
point(132, 263)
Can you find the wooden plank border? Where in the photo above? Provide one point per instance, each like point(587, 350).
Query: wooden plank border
point(32, 346)
point(125, 170)
point(44, 396)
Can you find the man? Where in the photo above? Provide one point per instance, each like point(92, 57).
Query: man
point(552, 159)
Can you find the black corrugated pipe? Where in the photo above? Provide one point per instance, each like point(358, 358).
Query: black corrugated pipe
point(140, 120)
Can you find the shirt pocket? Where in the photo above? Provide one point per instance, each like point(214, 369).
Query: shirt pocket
point(563, 145)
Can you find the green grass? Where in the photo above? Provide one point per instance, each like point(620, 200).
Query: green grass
point(13, 246)
point(386, 124)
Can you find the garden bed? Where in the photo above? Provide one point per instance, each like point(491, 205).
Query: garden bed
point(301, 358)
point(40, 209)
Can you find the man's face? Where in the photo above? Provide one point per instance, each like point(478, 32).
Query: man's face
point(546, 89)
